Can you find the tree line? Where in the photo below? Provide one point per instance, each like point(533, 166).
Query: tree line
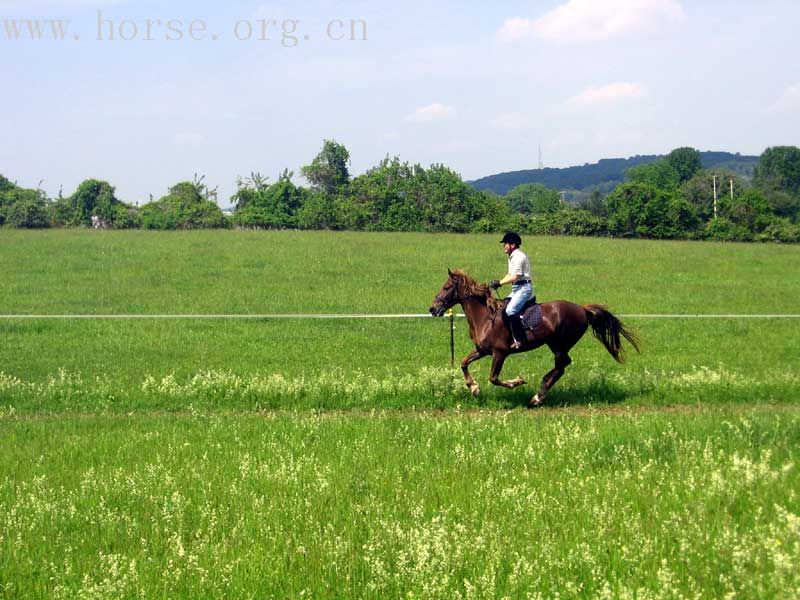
point(580, 180)
point(670, 198)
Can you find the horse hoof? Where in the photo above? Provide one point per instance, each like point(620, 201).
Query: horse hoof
point(476, 390)
point(536, 401)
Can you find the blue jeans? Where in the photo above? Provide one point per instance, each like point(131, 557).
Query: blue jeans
point(520, 294)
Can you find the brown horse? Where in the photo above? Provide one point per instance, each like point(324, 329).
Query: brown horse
point(563, 324)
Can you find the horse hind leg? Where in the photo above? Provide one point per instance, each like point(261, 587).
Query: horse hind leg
point(548, 381)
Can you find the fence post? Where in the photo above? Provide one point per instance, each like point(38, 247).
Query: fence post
point(452, 313)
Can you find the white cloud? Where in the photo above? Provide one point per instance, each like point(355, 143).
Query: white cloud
point(516, 28)
point(580, 21)
point(789, 100)
point(607, 95)
point(432, 112)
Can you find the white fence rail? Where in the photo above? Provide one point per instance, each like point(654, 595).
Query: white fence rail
point(374, 316)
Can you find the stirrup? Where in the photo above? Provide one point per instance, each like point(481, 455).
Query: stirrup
point(515, 345)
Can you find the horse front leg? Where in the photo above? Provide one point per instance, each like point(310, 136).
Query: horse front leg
point(468, 379)
point(498, 358)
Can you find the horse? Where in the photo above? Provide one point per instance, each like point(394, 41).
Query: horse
point(562, 325)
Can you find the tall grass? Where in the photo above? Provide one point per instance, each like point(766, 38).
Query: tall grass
point(485, 505)
point(440, 388)
point(212, 458)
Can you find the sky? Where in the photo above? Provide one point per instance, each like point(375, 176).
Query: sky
point(476, 86)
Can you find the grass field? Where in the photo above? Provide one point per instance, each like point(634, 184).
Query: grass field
point(305, 458)
point(649, 505)
point(72, 272)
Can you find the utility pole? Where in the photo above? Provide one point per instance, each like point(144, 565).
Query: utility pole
point(731, 189)
point(715, 196)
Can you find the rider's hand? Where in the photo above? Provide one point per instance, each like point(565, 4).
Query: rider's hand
point(495, 284)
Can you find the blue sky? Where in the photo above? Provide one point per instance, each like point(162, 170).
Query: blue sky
point(472, 85)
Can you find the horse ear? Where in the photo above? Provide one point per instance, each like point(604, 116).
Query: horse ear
point(449, 273)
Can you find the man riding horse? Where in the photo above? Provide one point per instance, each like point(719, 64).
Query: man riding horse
point(519, 276)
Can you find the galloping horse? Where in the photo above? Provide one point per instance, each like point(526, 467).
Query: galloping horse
point(562, 325)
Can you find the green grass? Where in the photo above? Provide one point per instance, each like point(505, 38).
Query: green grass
point(86, 272)
point(480, 505)
point(92, 272)
point(126, 366)
point(330, 459)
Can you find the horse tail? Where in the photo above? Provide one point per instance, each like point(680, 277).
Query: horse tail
point(607, 328)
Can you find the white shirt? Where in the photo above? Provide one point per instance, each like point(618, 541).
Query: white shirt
point(518, 264)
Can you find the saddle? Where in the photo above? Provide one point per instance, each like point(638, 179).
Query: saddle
point(531, 313)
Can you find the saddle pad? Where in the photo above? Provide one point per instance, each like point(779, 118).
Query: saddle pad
point(532, 317)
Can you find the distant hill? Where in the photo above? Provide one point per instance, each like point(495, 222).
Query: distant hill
point(604, 175)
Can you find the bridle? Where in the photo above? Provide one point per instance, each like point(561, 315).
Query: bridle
point(453, 293)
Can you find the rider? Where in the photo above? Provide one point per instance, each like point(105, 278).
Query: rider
point(519, 276)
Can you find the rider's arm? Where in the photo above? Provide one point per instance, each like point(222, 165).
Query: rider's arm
point(509, 279)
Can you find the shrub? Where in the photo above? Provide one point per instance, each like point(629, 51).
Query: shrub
point(29, 214)
point(93, 198)
point(272, 207)
point(643, 210)
point(780, 229)
point(533, 199)
point(565, 222)
point(725, 230)
point(749, 209)
point(185, 207)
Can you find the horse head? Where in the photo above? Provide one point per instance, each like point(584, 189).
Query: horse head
point(452, 292)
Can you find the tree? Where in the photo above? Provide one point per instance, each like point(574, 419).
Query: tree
point(29, 213)
point(318, 212)
point(779, 169)
point(750, 210)
point(643, 210)
point(533, 199)
point(328, 172)
point(21, 207)
point(595, 204)
point(271, 206)
point(659, 174)
point(782, 230)
point(188, 205)
point(777, 175)
point(385, 198)
point(723, 229)
point(92, 198)
point(398, 196)
point(248, 188)
point(699, 190)
point(5, 185)
point(570, 221)
point(685, 162)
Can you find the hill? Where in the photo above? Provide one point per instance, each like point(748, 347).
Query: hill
point(603, 175)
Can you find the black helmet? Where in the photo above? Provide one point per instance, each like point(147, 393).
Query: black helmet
point(511, 238)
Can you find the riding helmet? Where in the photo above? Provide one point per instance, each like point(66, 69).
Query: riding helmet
point(511, 238)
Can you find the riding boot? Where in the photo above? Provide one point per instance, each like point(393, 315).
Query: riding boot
point(517, 331)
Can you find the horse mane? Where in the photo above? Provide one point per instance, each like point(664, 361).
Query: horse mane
point(472, 289)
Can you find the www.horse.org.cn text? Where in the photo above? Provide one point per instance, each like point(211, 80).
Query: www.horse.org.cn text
point(288, 33)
